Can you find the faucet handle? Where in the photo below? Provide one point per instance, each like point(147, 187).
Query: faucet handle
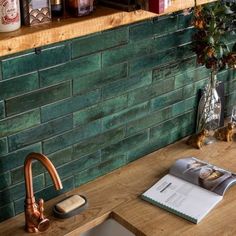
point(41, 208)
point(44, 222)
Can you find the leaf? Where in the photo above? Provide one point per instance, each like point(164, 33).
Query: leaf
point(212, 25)
point(221, 51)
point(227, 10)
point(211, 40)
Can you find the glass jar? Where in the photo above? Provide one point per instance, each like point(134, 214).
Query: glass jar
point(9, 15)
point(79, 7)
point(209, 108)
point(57, 8)
point(36, 12)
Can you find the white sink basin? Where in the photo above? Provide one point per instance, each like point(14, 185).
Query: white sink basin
point(109, 227)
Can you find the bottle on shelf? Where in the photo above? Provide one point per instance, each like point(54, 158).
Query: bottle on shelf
point(36, 12)
point(57, 8)
point(9, 15)
point(80, 7)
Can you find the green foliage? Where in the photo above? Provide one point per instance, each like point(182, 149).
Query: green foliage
point(214, 24)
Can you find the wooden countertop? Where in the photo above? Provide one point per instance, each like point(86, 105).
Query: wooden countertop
point(102, 19)
point(117, 195)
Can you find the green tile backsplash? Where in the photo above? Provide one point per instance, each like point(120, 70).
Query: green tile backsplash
point(96, 103)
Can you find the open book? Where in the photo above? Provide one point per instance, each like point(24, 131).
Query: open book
point(191, 189)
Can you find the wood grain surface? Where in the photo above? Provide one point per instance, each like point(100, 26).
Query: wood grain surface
point(117, 195)
point(102, 19)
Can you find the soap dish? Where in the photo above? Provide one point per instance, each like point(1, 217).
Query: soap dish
point(71, 213)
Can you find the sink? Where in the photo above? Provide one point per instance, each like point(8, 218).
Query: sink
point(109, 227)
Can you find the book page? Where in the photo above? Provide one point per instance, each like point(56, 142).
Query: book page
point(182, 198)
point(203, 174)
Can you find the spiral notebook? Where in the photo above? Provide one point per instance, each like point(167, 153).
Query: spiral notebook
point(191, 189)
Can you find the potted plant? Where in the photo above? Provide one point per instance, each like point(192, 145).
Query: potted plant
point(213, 24)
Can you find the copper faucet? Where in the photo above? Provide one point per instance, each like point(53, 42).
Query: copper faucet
point(34, 217)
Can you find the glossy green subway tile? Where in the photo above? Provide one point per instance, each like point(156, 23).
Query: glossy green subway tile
point(71, 70)
point(140, 151)
point(226, 75)
point(185, 21)
point(2, 109)
point(40, 132)
point(183, 106)
point(20, 122)
point(38, 98)
point(181, 133)
point(5, 180)
point(76, 166)
point(152, 61)
point(124, 146)
point(7, 211)
point(50, 192)
point(200, 84)
point(100, 110)
point(165, 25)
point(99, 42)
point(151, 91)
point(122, 117)
point(174, 69)
point(70, 105)
point(175, 39)
point(112, 164)
point(129, 51)
point(153, 28)
point(172, 125)
point(16, 86)
point(58, 158)
point(123, 86)
point(160, 142)
point(3, 146)
point(62, 156)
point(98, 142)
point(190, 77)
point(231, 86)
point(17, 174)
point(101, 169)
point(16, 159)
point(185, 51)
point(189, 90)
point(29, 62)
point(87, 175)
point(18, 191)
point(166, 99)
point(71, 137)
point(148, 121)
point(99, 78)
point(141, 31)
point(47, 193)
point(230, 102)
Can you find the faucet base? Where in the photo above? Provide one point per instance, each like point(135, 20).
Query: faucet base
point(42, 226)
point(31, 229)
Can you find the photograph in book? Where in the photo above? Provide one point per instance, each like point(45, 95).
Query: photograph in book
point(203, 174)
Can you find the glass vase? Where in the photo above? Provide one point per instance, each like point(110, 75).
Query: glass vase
point(209, 108)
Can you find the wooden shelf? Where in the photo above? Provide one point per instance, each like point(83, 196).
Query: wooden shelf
point(102, 19)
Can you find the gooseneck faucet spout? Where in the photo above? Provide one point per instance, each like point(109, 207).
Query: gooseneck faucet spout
point(34, 218)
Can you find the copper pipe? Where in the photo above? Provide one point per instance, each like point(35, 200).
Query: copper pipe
point(35, 220)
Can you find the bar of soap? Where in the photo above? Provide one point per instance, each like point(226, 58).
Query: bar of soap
point(70, 204)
